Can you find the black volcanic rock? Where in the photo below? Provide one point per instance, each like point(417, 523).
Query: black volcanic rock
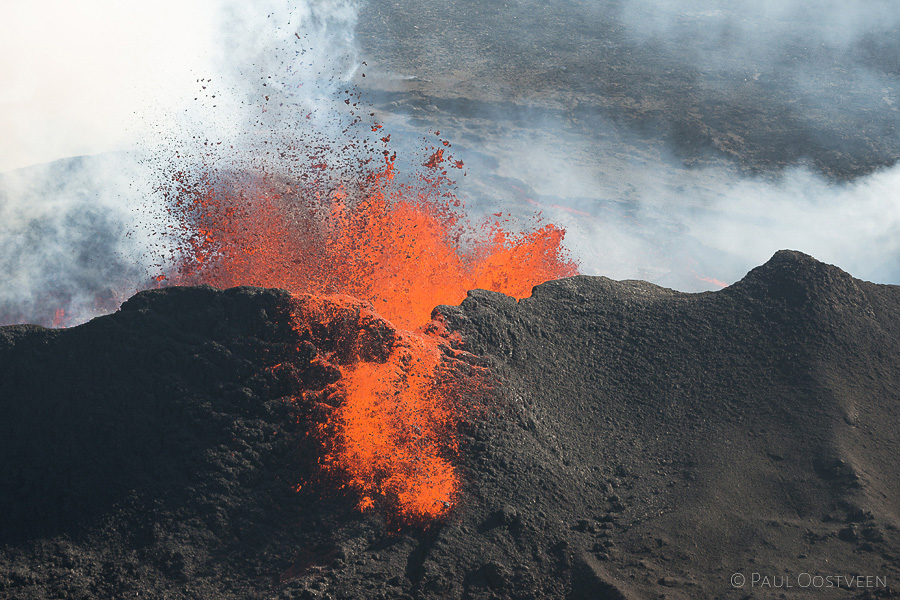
point(640, 442)
point(139, 448)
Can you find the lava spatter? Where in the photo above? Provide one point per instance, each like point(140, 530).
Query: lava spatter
point(403, 247)
point(367, 260)
point(396, 431)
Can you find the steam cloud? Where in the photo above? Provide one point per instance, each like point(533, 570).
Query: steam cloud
point(804, 92)
point(829, 68)
point(79, 229)
point(78, 235)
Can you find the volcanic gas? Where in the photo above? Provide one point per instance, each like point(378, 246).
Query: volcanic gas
point(381, 251)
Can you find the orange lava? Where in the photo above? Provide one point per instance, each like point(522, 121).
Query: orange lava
point(403, 248)
point(59, 319)
point(397, 432)
point(393, 431)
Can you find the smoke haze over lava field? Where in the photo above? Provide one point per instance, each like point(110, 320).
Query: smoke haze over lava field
point(460, 299)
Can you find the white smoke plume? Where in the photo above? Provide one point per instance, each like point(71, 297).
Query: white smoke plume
point(640, 214)
point(146, 88)
point(545, 90)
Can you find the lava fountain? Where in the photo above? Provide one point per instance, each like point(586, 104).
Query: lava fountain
point(363, 256)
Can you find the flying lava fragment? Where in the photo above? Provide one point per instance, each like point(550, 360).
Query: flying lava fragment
point(389, 252)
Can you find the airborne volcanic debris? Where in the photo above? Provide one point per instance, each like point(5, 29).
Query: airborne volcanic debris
point(642, 441)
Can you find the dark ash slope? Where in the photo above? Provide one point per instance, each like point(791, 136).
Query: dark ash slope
point(678, 438)
point(643, 443)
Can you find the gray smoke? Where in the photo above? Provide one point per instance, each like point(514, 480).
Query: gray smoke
point(633, 211)
point(79, 235)
point(73, 242)
point(679, 142)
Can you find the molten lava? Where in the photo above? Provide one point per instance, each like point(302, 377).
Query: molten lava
point(397, 432)
point(59, 319)
point(394, 414)
point(404, 248)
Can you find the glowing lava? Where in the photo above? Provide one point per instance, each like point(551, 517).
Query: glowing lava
point(403, 248)
point(59, 319)
point(393, 416)
point(397, 431)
